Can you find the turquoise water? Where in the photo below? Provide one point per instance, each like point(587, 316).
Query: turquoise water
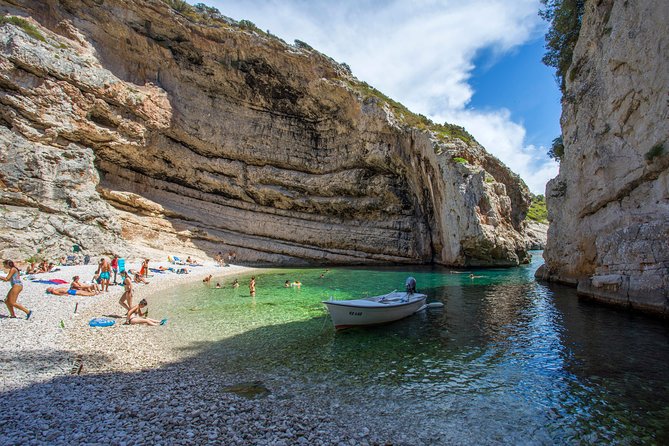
point(506, 359)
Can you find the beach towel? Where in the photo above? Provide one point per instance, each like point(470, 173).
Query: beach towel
point(155, 270)
point(51, 281)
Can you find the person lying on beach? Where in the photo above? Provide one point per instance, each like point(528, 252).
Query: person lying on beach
point(135, 316)
point(63, 291)
point(76, 285)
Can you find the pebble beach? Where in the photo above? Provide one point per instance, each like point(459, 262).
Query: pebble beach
point(63, 382)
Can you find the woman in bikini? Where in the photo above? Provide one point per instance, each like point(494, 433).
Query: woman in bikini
point(126, 298)
point(136, 316)
point(14, 278)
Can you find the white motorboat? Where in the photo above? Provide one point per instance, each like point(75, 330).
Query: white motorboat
point(376, 310)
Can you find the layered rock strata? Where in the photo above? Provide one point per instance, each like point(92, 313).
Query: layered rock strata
point(609, 206)
point(127, 128)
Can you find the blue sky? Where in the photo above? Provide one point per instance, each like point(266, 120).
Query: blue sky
point(521, 83)
point(475, 63)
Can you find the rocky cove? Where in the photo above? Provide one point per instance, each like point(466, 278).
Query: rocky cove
point(129, 125)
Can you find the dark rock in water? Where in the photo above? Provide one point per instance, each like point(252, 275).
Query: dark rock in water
point(252, 389)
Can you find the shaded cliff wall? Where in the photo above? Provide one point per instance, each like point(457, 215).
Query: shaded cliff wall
point(609, 206)
point(207, 138)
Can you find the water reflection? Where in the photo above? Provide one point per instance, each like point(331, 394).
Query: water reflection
point(505, 358)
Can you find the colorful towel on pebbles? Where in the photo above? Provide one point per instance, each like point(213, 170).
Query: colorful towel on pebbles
point(50, 281)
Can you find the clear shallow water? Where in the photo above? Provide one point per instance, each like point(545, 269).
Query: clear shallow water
point(507, 359)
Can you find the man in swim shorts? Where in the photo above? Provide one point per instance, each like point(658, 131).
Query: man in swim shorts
point(104, 269)
point(63, 291)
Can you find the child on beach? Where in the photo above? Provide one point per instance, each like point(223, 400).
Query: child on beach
point(14, 278)
point(136, 316)
point(126, 297)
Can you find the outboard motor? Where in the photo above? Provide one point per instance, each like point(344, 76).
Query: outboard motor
point(410, 285)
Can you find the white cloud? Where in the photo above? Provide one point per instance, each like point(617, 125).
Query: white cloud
point(420, 53)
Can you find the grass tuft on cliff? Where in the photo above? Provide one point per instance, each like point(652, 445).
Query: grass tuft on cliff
point(443, 131)
point(537, 210)
point(25, 25)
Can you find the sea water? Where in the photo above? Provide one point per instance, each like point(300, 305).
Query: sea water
point(506, 359)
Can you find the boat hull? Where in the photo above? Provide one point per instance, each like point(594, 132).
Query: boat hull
point(356, 313)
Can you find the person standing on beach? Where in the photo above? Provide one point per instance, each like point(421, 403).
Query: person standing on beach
point(104, 270)
point(126, 297)
point(252, 286)
point(14, 278)
point(144, 270)
point(114, 266)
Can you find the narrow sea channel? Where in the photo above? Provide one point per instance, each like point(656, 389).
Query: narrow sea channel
point(507, 359)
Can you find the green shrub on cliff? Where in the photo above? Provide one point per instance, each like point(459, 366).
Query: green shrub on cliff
point(537, 210)
point(25, 25)
point(565, 24)
point(557, 149)
point(443, 131)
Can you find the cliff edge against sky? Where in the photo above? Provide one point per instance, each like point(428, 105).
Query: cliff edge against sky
point(129, 128)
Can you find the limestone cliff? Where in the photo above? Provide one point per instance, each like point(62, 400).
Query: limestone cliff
point(126, 127)
point(609, 205)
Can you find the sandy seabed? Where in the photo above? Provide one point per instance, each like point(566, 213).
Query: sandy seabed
point(63, 382)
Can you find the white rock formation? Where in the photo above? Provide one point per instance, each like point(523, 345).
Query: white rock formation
point(609, 206)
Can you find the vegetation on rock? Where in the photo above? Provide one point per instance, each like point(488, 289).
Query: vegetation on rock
point(24, 25)
point(565, 24)
point(443, 131)
point(537, 210)
point(655, 151)
point(207, 15)
point(557, 149)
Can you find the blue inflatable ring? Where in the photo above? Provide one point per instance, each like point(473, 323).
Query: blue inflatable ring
point(101, 322)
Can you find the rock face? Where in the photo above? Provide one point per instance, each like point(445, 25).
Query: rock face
point(536, 234)
point(609, 206)
point(126, 127)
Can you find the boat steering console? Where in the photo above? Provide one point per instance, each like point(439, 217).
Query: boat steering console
point(410, 285)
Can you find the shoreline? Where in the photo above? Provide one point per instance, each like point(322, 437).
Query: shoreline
point(47, 345)
point(125, 385)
